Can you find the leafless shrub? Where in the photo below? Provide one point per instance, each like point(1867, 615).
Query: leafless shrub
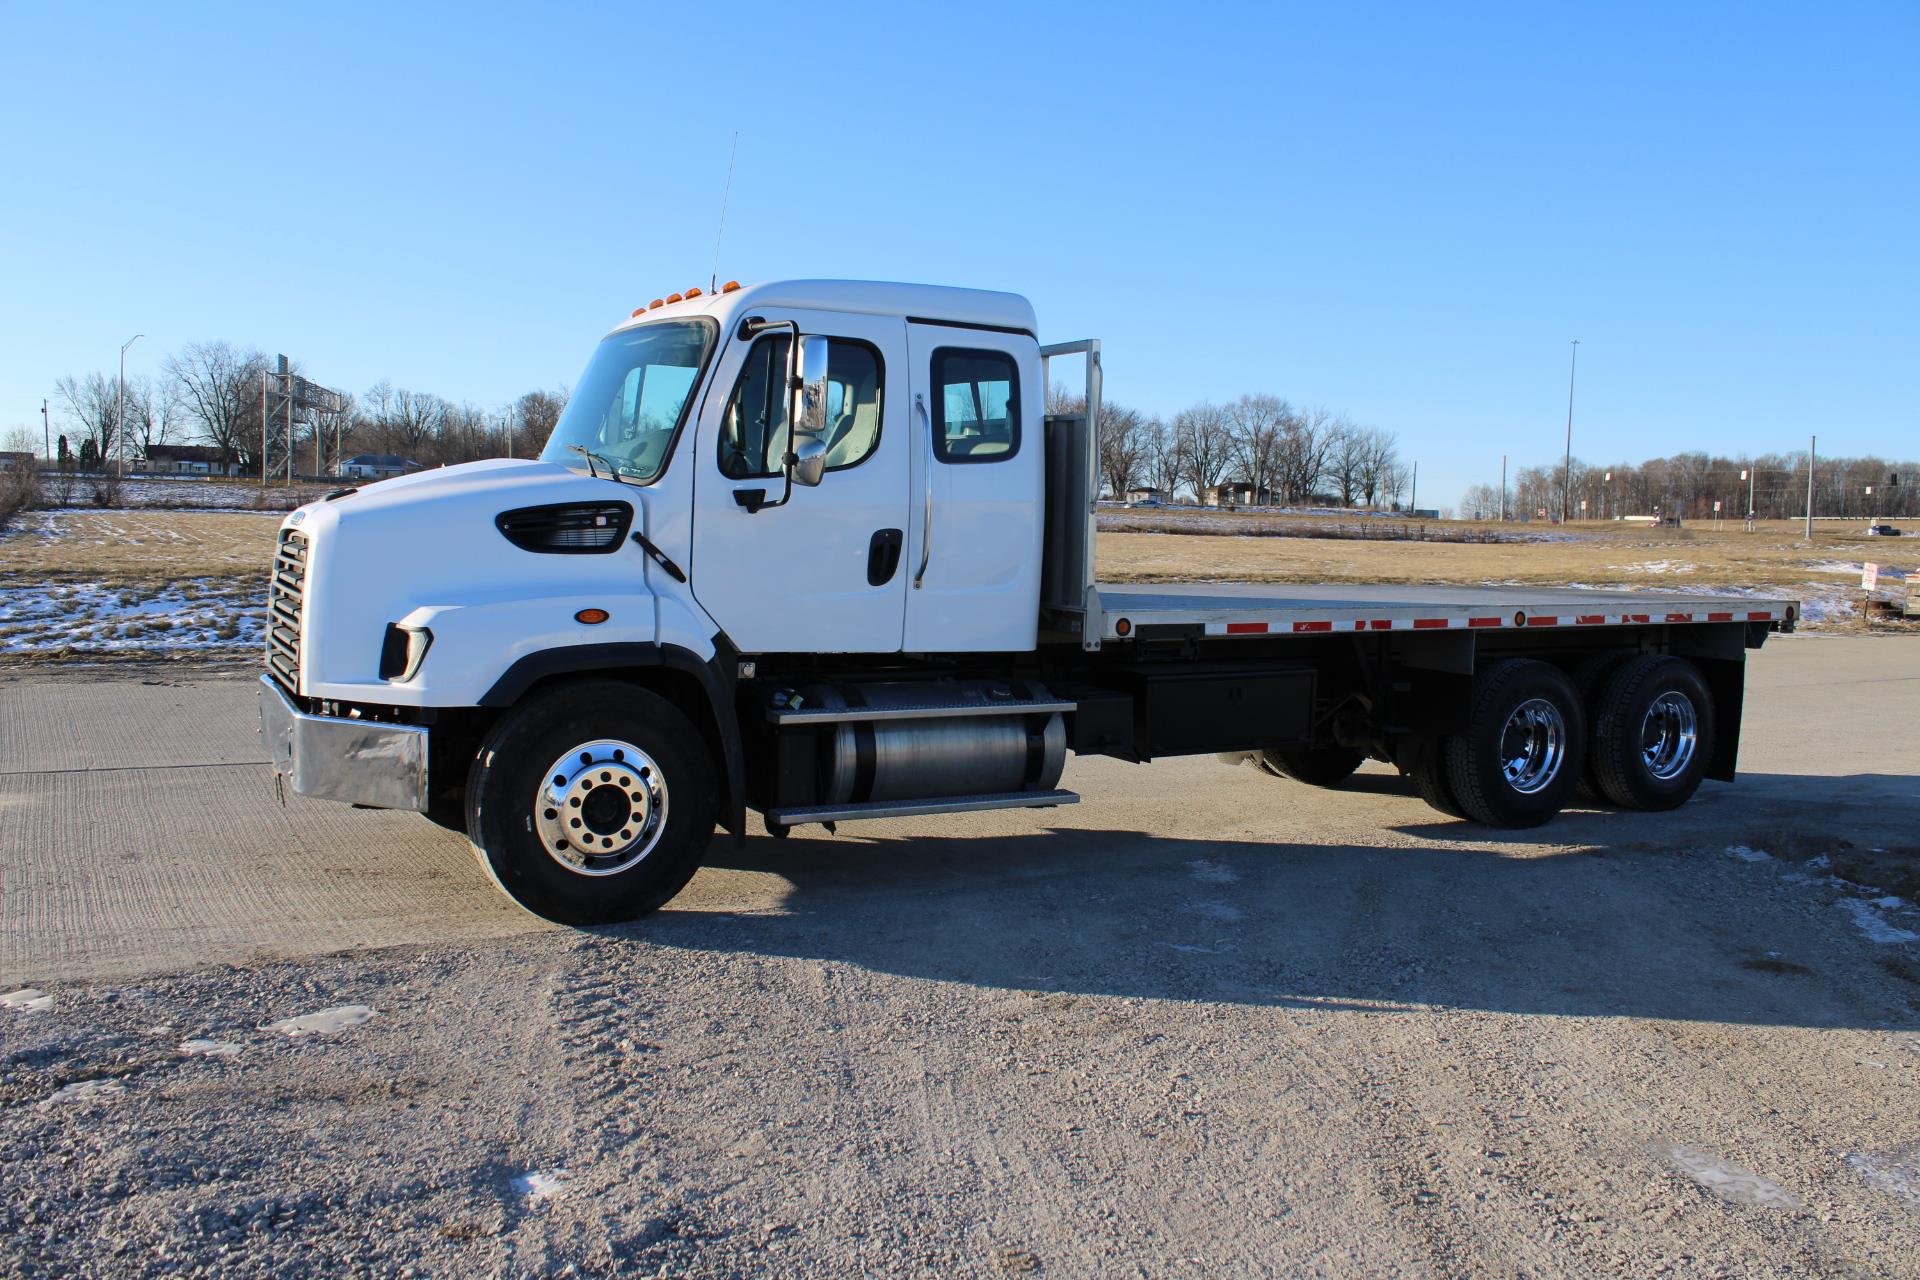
point(19, 490)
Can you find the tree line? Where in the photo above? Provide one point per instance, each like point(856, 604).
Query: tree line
point(220, 395)
point(1283, 453)
point(1688, 485)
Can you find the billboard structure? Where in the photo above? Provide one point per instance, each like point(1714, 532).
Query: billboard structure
point(290, 404)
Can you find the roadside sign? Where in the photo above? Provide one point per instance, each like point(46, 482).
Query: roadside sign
point(1716, 505)
point(1869, 576)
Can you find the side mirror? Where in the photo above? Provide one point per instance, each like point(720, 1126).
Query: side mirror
point(809, 463)
point(809, 416)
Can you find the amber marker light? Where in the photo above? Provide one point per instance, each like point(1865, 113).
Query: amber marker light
point(592, 617)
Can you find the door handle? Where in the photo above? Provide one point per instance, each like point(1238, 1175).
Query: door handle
point(883, 556)
point(926, 523)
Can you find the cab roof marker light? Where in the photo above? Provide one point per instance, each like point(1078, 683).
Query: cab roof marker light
point(692, 293)
point(655, 304)
point(729, 286)
point(674, 297)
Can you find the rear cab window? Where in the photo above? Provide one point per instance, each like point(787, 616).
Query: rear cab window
point(976, 405)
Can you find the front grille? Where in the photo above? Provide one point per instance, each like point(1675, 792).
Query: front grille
point(285, 595)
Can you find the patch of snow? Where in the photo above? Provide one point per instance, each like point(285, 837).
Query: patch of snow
point(27, 1000)
point(1656, 566)
point(1896, 1178)
point(1875, 926)
point(189, 613)
point(1745, 854)
point(323, 1023)
point(210, 1048)
point(84, 1091)
point(1727, 1181)
point(1211, 872)
point(542, 1184)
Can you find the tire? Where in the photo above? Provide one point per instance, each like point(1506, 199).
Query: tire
point(645, 802)
point(1430, 780)
point(1315, 766)
point(1653, 733)
point(1519, 760)
point(1589, 673)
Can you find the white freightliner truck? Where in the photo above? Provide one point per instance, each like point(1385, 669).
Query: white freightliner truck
point(814, 549)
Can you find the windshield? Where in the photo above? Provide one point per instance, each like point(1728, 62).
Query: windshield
point(632, 397)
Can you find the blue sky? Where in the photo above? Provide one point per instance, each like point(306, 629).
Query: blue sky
point(1403, 212)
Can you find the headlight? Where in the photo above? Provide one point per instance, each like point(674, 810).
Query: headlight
point(567, 528)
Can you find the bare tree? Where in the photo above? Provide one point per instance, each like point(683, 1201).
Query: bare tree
point(1204, 440)
point(1164, 464)
point(1378, 455)
point(1123, 446)
point(1258, 425)
point(153, 413)
point(1303, 456)
point(535, 415)
point(93, 402)
point(218, 389)
point(22, 440)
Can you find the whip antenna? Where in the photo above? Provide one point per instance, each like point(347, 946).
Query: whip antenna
point(713, 281)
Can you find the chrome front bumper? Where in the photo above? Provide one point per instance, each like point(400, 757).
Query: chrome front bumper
point(383, 766)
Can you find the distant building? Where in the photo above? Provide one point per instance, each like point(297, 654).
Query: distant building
point(11, 459)
point(1148, 495)
point(1236, 493)
point(377, 466)
point(187, 460)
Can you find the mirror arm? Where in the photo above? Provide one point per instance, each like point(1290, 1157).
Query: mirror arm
point(755, 500)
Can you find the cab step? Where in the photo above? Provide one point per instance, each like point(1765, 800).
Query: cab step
point(794, 815)
point(919, 711)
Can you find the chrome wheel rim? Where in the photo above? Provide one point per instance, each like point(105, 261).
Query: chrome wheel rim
point(1532, 746)
point(1669, 735)
point(601, 808)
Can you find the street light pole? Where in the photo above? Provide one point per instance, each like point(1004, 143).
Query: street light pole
point(1566, 473)
point(120, 402)
point(46, 426)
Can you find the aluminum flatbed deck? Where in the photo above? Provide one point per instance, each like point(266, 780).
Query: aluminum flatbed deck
point(1230, 609)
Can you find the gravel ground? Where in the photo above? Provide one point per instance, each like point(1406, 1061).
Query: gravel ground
point(1206, 1023)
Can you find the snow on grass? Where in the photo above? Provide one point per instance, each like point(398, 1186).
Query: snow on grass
point(84, 1091)
point(542, 1184)
point(192, 613)
point(27, 1000)
point(1655, 566)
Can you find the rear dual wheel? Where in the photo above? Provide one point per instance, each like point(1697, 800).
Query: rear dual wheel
point(1519, 758)
point(1653, 733)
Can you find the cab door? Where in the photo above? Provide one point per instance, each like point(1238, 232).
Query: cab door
point(979, 479)
point(821, 572)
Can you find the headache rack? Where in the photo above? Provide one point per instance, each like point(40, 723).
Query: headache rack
point(286, 593)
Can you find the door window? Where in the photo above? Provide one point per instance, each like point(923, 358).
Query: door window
point(976, 405)
point(753, 437)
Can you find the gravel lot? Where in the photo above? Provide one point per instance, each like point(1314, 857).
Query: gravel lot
point(1205, 1023)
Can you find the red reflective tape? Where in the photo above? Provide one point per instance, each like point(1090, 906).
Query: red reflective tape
point(1483, 622)
point(1719, 617)
point(1636, 617)
point(1762, 616)
point(1679, 617)
point(1425, 624)
point(1383, 624)
point(1538, 621)
point(1246, 628)
point(1590, 619)
point(1310, 626)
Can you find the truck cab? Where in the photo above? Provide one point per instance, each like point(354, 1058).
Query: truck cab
point(812, 548)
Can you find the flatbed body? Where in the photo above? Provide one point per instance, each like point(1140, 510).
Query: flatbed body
point(1122, 610)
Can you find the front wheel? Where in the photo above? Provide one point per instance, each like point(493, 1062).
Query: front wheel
point(1519, 759)
point(592, 803)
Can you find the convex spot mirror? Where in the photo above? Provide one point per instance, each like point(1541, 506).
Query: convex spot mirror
point(809, 413)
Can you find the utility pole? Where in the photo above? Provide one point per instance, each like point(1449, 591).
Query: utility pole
point(1413, 502)
point(1750, 470)
point(1503, 488)
point(120, 404)
point(46, 425)
point(263, 426)
point(1812, 442)
point(1566, 473)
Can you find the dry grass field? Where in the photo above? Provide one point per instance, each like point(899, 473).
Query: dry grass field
point(158, 583)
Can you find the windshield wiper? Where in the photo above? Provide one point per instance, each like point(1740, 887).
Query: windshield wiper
point(592, 458)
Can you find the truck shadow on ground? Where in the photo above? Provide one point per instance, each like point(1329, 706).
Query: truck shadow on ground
point(1621, 929)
